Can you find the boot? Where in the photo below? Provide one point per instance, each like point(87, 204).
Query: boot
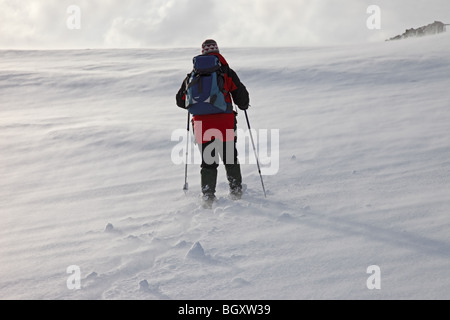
point(208, 181)
point(234, 180)
point(208, 201)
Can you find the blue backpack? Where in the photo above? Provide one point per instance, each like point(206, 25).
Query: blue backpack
point(205, 93)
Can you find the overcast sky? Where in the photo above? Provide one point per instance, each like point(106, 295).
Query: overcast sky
point(186, 23)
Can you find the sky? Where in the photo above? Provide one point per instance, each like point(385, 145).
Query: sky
point(48, 24)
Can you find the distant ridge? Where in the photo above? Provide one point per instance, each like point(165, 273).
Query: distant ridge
point(433, 28)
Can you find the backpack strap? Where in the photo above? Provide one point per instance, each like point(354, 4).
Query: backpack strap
point(194, 82)
point(186, 82)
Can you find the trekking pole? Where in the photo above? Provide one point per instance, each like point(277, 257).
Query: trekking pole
point(186, 185)
point(256, 155)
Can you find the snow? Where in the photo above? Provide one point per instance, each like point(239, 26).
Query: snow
point(87, 179)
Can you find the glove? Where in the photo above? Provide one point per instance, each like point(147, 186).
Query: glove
point(244, 107)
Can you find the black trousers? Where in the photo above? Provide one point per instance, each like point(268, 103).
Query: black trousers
point(215, 150)
point(212, 152)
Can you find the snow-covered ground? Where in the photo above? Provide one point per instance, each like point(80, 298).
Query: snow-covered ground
point(87, 179)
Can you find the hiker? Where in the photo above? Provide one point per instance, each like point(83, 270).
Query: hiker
point(222, 121)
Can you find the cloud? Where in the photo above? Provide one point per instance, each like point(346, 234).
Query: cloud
point(165, 23)
point(172, 23)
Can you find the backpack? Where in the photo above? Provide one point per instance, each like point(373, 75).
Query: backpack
point(205, 93)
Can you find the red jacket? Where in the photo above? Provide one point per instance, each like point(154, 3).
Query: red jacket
point(219, 126)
